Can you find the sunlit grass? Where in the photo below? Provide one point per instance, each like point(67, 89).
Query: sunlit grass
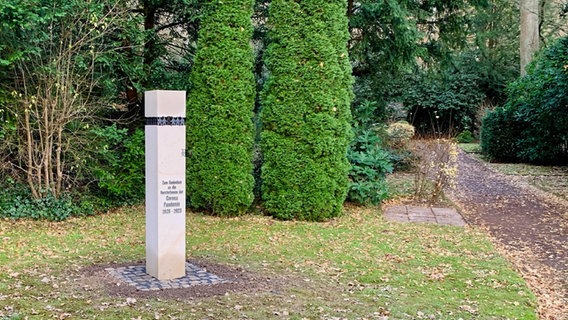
point(354, 267)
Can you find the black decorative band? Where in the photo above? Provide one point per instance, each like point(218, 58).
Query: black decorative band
point(165, 121)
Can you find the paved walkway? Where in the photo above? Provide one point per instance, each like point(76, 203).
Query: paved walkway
point(532, 226)
point(443, 216)
point(514, 214)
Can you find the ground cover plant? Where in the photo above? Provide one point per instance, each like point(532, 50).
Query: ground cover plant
point(353, 267)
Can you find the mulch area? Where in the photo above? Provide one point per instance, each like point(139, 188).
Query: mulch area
point(529, 226)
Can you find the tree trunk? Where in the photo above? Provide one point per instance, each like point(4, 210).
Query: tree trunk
point(149, 24)
point(529, 32)
point(30, 159)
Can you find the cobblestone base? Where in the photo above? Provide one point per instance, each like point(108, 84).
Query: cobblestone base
point(136, 276)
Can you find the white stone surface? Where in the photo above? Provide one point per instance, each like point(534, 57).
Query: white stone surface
point(165, 187)
point(164, 103)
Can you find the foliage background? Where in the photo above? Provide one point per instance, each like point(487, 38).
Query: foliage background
point(532, 126)
point(437, 64)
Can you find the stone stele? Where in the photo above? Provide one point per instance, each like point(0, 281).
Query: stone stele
point(165, 183)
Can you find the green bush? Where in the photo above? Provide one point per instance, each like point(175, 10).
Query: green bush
point(370, 163)
point(117, 163)
point(399, 134)
point(533, 125)
point(306, 110)
point(369, 159)
point(465, 137)
point(367, 112)
point(220, 133)
point(499, 134)
point(443, 103)
point(540, 102)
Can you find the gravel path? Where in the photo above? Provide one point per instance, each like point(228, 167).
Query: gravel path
point(531, 227)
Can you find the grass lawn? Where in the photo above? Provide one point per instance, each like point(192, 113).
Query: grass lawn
point(470, 147)
point(358, 266)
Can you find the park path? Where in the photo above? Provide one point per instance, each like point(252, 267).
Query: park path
point(531, 227)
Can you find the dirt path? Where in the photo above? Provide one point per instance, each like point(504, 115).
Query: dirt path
point(531, 228)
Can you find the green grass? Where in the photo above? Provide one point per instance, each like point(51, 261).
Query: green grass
point(354, 267)
point(470, 147)
point(523, 169)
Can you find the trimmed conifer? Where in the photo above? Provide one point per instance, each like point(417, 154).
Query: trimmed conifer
point(220, 106)
point(306, 110)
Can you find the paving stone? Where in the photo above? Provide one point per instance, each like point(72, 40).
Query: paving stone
point(423, 217)
point(431, 221)
point(442, 216)
point(396, 210)
point(420, 211)
point(397, 217)
point(452, 222)
point(136, 276)
point(445, 212)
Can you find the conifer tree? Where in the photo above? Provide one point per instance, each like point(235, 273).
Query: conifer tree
point(219, 111)
point(306, 110)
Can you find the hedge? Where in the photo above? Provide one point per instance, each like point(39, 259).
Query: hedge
point(219, 118)
point(306, 110)
point(533, 125)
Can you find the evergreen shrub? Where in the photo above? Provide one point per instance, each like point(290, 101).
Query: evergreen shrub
point(368, 155)
point(370, 162)
point(399, 134)
point(499, 135)
point(465, 137)
point(220, 131)
point(306, 110)
point(443, 103)
point(533, 125)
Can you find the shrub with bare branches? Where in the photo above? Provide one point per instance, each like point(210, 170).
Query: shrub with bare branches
point(55, 91)
point(435, 165)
